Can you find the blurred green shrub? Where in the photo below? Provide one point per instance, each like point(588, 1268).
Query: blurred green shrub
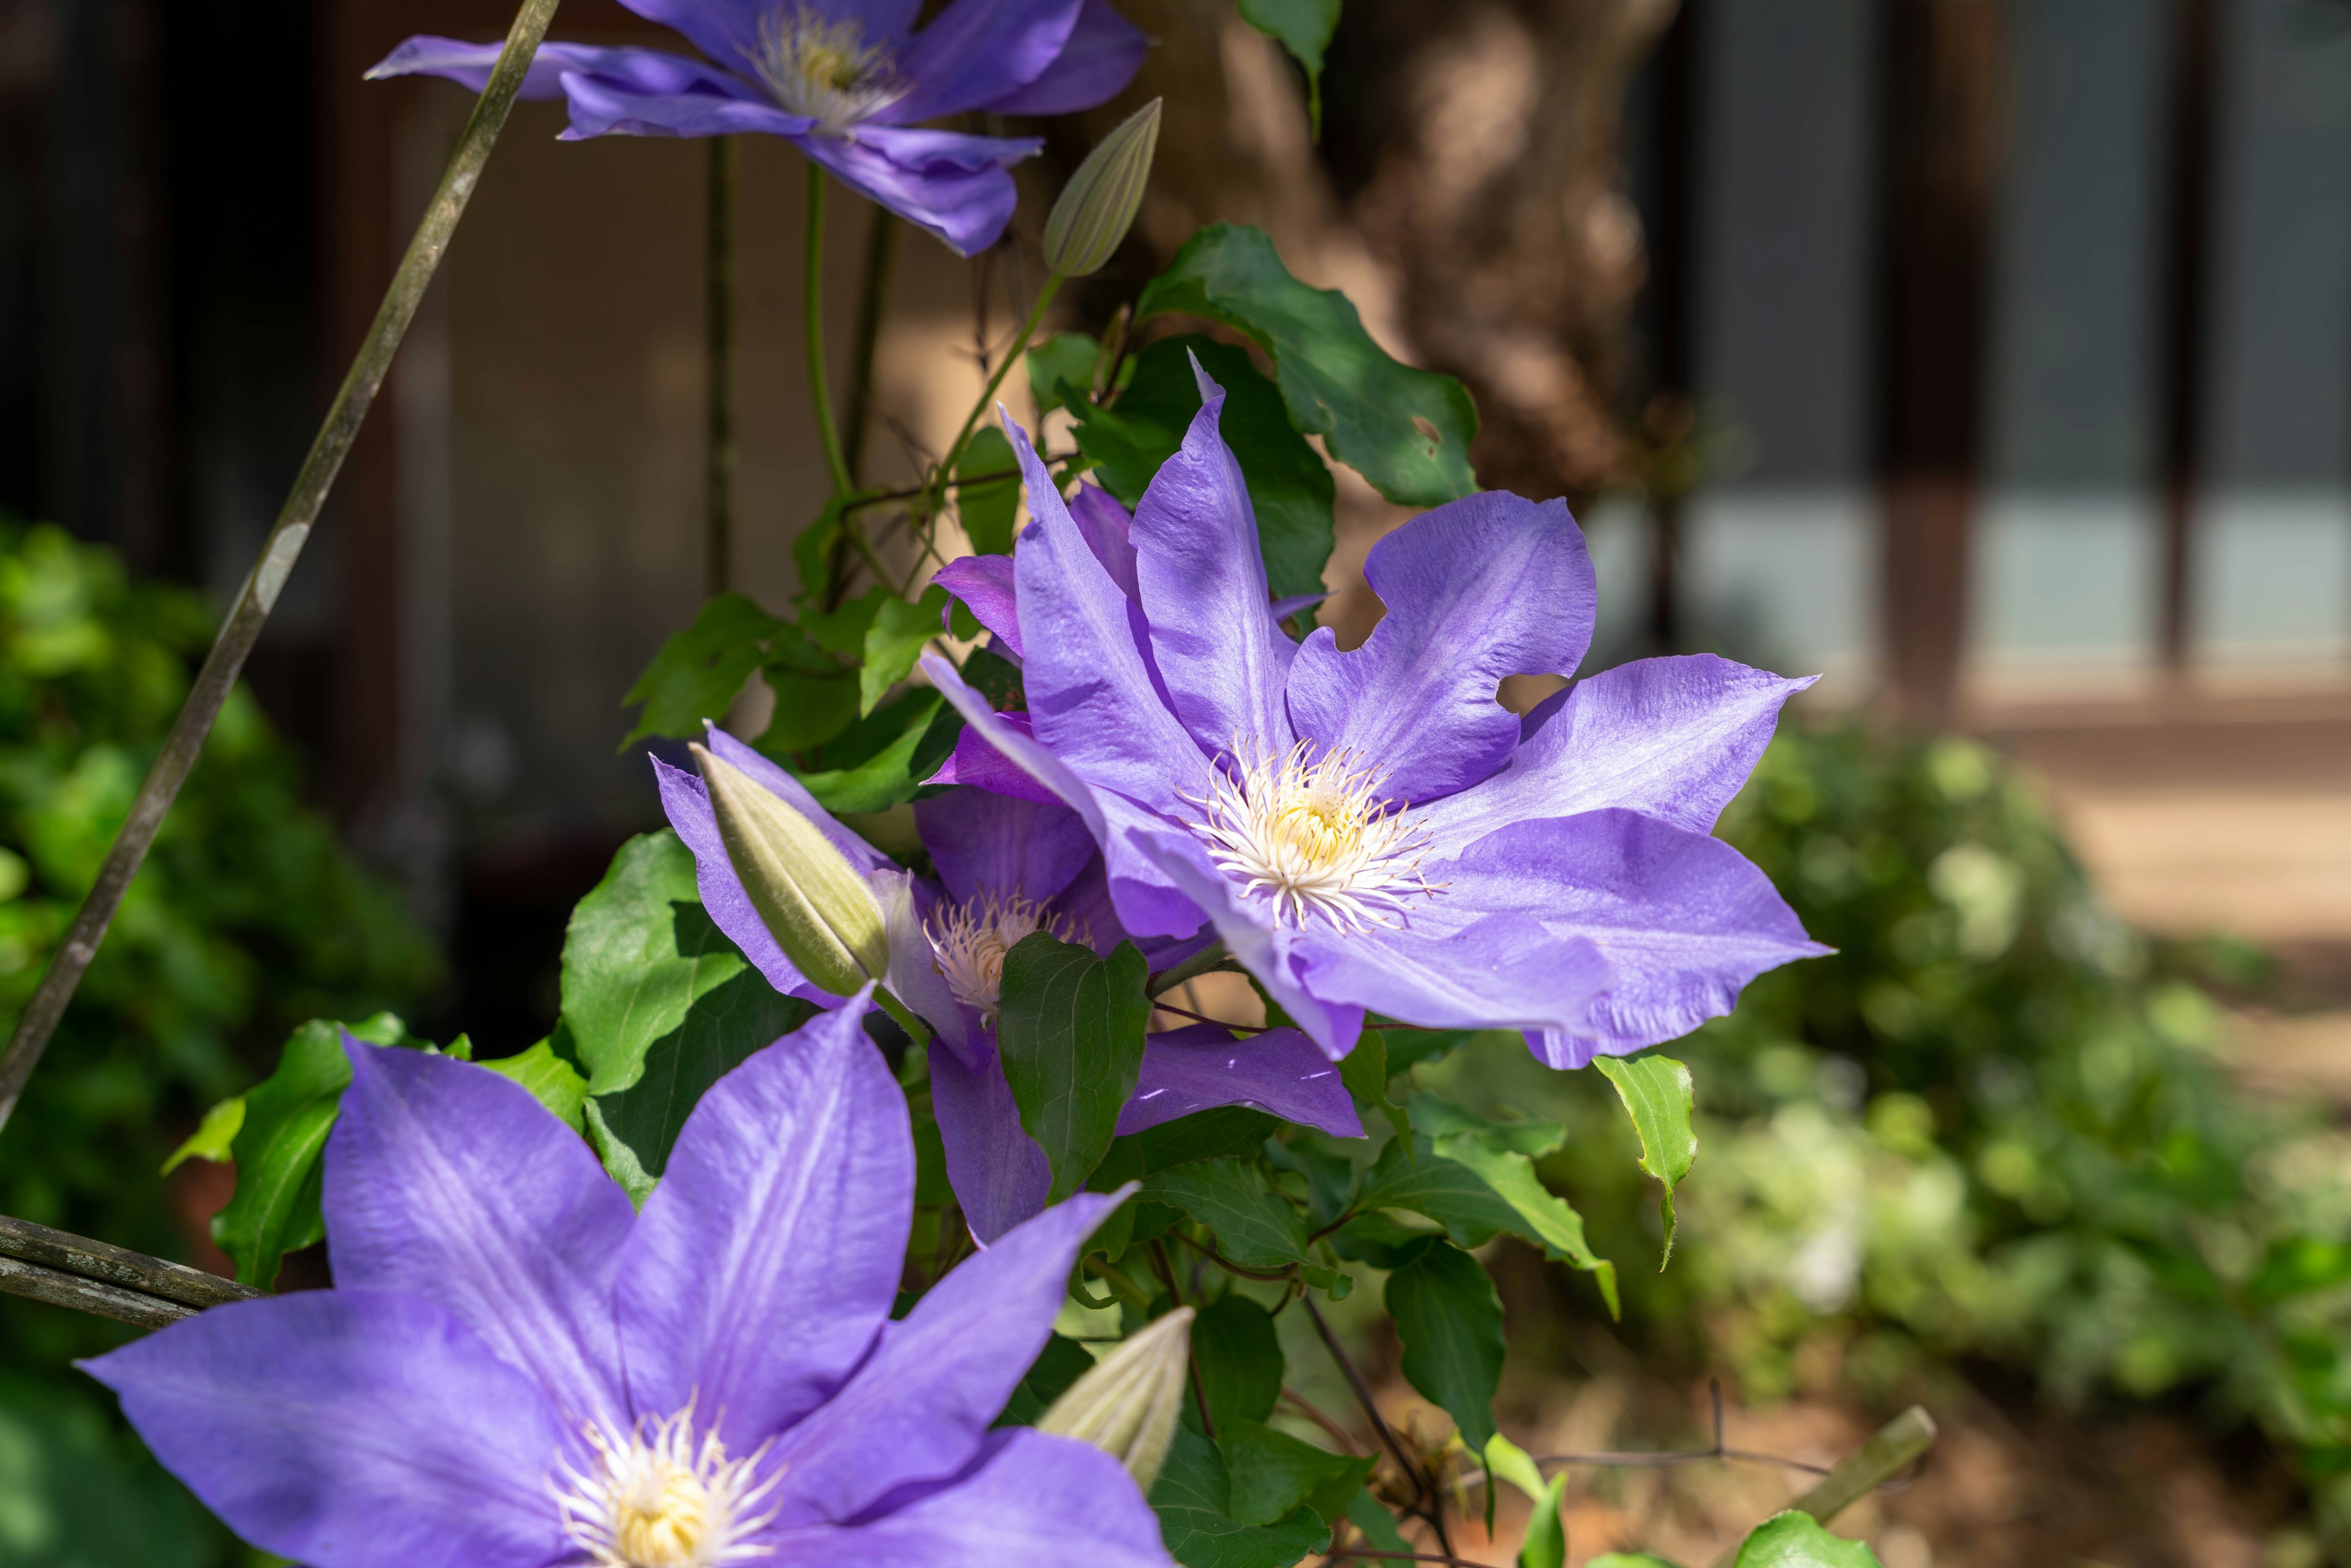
point(1994, 1124)
point(248, 918)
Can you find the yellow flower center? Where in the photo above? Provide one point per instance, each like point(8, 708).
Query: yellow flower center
point(969, 941)
point(1315, 833)
point(824, 69)
point(659, 1499)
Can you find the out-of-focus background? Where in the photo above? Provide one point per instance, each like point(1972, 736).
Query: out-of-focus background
point(1990, 357)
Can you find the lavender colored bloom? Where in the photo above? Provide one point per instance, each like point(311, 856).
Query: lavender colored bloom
point(1006, 867)
point(515, 1370)
point(1372, 830)
point(847, 81)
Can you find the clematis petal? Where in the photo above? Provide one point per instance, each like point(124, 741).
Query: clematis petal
point(977, 762)
point(447, 1182)
point(976, 51)
point(1684, 920)
point(918, 1410)
point(953, 186)
point(1497, 971)
point(1202, 1067)
point(1000, 1174)
point(984, 844)
point(1108, 529)
point(726, 30)
point(914, 975)
point(983, 583)
point(351, 1430)
point(686, 803)
point(768, 1257)
point(1213, 635)
point(603, 106)
point(1032, 1497)
point(1102, 55)
point(1487, 586)
point(1673, 737)
point(638, 70)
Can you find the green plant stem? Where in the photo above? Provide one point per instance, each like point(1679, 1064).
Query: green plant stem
point(258, 596)
point(719, 349)
point(813, 330)
point(873, 304)
point(1212, 957)
point(915, 1028)
point(987, 395)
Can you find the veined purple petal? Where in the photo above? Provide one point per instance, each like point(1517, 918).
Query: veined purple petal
point(1213, 635)
point(1498, 971)
point(1487, 586)
point(469, 66)
point(726, 30)
point(984, 844)
point(1102, 55)
point(1283, 609)
point(603, 106)
point(919, 1408)
point(351, 1430)
point(1092, 696)
point(1673, 738)
point(1033, 1498)
point(1108, 529)
point(447, 1182)
point(976, 51)
point(686, 803)
point(914, 975)
point(975, 762)
point(952, 185)
point(983, 583)
point(768, 1257)
point(1684, 919)
point(1000, 1174)
point(1201, 1067)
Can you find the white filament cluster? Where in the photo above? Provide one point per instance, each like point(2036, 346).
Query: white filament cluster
point(1316, 833)
point(824, 69)
point(968, 942)
point(659, 1498)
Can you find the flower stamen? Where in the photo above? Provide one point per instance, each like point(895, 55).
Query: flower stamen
point(657, 1498)
point(824, 69)
point(1316, 833)
point(969, 941)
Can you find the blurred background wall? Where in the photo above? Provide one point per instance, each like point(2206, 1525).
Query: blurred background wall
point(1994, 358)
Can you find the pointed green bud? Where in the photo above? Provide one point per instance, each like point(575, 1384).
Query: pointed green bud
point(1098, 205)
point(816, 905)
point(1127, 1404)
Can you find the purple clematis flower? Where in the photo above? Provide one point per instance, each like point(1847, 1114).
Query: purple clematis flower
point(1372, 830)
point(847, 81)
point(516, 1371)
point(1006, 867)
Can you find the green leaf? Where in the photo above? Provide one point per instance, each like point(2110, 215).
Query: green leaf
point(2295, 1266)
point(987, 509)
point(1364, 1070)
point(1794, 1540)
point(1060, 374)
point(1203, 1135)
point(1407, 431)
point(1289, 486)
point(884, 758)
point(1070, 1031)
point(637, 954)
point(552, 1082)
point(620, 1161)
point(1253, 1228)
point(1240, 1360)
point(1658, 1097)
point(840, 631)
point(698, 671)
point(1272, 1473)
point(1305, 29)
point(288, 1116)
point(1450, 1321)
point(1408, 1048)
point(1544, 1545)
point(1060, 1364)
point(726, 1025)
point(1503, 1154)
point(212, 1137)
point(1628, 1560)
point(1378, 1525)
point(816, 695)
point(894, 641)
point(1194, 1501)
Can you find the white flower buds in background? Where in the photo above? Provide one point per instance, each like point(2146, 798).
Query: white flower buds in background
point(1098, 205)
point(818, 906)
point(1127, 1404)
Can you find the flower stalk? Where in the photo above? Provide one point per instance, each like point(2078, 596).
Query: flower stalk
point(812, 331)
point(259, 594)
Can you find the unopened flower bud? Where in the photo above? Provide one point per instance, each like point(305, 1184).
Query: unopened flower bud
point(815, 905)
point(1127, 1404)
point(1098, 205)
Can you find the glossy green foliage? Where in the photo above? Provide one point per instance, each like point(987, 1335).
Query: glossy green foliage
point(1305, 29)
point(695, 675)
point(1194, 1499)
point(1450, 1321)
point(1794, 1540)
point(1070, 1038)
point(1658, 1095)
